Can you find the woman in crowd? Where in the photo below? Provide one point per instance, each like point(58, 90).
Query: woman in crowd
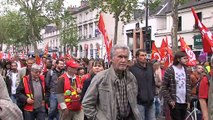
point(158, 83)
point(97, 66)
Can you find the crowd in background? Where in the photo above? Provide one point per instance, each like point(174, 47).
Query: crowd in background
point(74, 89)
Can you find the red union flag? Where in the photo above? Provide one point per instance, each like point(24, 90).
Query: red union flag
point(46, 49)
point(155, 53)
point(189, 52)
point(207, 37)
point(166, 53)
point(108, 43)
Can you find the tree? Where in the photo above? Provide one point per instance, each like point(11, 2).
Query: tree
point(37, 14)
point(69, 34)
point(121, 10)
point(175, 4)
point(13, 29)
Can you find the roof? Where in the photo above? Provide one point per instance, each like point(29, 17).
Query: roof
point(162, 8)
point(83, 7)
point(192, 3)
point(50, 28)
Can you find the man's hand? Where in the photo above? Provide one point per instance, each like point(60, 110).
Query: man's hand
point(188, 106)
point(30, 101)
point(78, 90)
point(172, 104)
point(65, 112)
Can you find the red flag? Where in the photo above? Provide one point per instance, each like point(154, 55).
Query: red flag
point(207, 37)
point(108, 43)
point(1, 55)
point(9, 55)
point(37, 60)
point(46, 49)
point(189, 52)
point(54, 56)
point(166, 53)
point(163, 48)
point(155, 53)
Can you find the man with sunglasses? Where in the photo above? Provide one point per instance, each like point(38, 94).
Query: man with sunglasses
point(31, 92)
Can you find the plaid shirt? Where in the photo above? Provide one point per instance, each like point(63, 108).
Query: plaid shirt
point(9, 111)
point(122, 100)
point(169, 85)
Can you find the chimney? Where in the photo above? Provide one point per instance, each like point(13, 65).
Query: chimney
point(84, 3)
point(72, 8)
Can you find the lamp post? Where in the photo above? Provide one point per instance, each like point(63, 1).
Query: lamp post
point(147, 40)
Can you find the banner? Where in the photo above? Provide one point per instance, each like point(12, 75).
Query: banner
point(108, 43)
point(189, 52)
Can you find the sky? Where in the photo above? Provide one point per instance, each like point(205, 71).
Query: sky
point(71, 2)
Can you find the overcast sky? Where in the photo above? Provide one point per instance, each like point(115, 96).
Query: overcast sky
point(71, 2)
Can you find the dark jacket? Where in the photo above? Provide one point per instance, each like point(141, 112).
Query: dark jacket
point(21, 96)
point(169, 85)
point(86, 85)
point(51, 79)
point(146, 83)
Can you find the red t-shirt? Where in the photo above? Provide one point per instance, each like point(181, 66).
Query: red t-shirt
point(203, 88)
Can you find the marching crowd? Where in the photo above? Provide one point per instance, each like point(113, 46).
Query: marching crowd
point(82, 89)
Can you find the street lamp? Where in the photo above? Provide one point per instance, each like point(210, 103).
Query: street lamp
point(147, 39)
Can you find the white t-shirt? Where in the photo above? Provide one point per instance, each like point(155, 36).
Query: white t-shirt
point(18, 65)
point(180, 79)
point(14, 79)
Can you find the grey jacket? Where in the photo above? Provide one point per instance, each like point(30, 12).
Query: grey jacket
point(210, 99)
point(99, 102)
point(9, 110)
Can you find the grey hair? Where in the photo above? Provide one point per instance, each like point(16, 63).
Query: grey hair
point(36, 66)
point(118, 46)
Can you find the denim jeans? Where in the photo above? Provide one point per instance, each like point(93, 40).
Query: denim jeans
point(13, 98)
point(147, 112)
point(37, 114)
point(53, 111)
point(157, 106)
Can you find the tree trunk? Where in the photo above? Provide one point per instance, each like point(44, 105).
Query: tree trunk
point(174, 30)
point(116, 30)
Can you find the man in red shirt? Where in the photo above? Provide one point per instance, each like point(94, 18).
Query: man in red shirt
point(203, 96)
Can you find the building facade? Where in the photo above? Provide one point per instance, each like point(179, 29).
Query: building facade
point(91, 42)
point(186, 25)
point(160, 24)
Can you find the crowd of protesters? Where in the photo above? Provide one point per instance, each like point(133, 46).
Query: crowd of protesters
point(80, 89)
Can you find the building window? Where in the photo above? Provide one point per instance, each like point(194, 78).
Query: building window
point(199, 15)
point(85, 31)
point(91, 50)
point(179, 23)
point(80, 18)
point(80, 31)
point(90, 30)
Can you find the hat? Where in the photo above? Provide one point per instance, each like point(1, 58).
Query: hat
point(72, 63)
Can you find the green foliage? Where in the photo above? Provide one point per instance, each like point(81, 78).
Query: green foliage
point(121, 10)
point(154, 4)
point(36, 15)
point(69, 34)
point(13, 28)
